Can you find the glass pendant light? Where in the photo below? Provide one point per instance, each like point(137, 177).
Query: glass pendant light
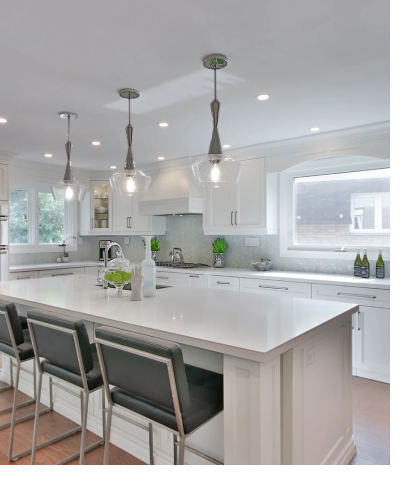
point(130, 180)
point(215, 169)
point(69, 189)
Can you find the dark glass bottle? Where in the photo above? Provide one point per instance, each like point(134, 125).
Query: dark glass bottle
point(365, 268)
point(358, 264)
point(380, 268)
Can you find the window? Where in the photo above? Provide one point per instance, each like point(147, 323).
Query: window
point(326, 212)
point(38, 223)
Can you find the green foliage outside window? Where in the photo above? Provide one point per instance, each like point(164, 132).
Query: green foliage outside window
point(18, 210)
point(50, 219)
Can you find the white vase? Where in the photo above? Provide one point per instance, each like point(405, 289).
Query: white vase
point(149, 271)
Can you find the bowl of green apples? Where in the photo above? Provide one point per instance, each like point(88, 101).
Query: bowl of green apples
point(118, 272)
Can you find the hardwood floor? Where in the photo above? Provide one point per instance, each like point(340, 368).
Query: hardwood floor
point(371, 428)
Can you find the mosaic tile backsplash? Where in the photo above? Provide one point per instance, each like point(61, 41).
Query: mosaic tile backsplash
point(186, 233)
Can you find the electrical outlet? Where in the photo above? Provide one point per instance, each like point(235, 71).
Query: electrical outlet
point(126, 240)
point(251, 241)
point(311, 356)
point(80, 240)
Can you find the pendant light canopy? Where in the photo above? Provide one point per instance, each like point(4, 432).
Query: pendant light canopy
point(215, 169)
point(69, 189)
point(130, 180)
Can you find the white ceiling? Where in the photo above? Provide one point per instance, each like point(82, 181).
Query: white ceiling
point(324, 62)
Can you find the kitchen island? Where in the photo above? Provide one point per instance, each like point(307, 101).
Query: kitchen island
point(286, 364)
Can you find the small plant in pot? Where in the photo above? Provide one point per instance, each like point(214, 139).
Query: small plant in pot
point(219, 248)
point(66, 259)
point(155, 247)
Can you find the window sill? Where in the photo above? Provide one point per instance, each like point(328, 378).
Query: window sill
point(372, 254)
point(30, 248)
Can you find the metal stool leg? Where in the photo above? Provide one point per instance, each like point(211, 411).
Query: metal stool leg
point(175, 450)
point(13, 416)
point(84, 428)
point(107, 435)
point(36, 419)
point(181, 451)
point(151, 444)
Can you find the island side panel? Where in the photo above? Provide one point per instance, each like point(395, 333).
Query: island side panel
point(252, 412)
point(317, 397)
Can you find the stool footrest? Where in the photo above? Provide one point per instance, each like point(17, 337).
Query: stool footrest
point(77, 454)
point(24, 418)
point(21, 405)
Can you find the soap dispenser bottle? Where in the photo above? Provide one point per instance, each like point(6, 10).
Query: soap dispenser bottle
point(149, 271)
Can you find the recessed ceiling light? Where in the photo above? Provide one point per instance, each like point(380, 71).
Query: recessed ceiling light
point(48, 155)
point(3, 120)
point(161, 158)
point(226, 146)
point(315, 128)
point(113, 167)
point(163, 124)
point(95, 143)
point(262, 97)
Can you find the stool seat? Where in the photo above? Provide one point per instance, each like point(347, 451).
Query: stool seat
point(25, 349)
point(206, 392)
point(94, 377)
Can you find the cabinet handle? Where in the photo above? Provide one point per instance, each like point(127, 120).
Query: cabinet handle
point(236, 213)
point(92, 222)
point(130, 223)
point(357, 296)
point(127, 223)
point(231, 218)
point(24, 277)
point(274, 287)
point(193, 276)
point(222, 283)
point(162, 277)
point(358, 319)
point(61, 274)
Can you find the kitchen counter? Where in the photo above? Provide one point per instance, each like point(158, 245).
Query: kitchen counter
point(320, 278)
point(286, 363)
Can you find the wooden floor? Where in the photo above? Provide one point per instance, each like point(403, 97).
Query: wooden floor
point(371, 426)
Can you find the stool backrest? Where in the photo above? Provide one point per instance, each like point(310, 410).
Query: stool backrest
point(58, 346)
point(142, 375)
point(10, 310)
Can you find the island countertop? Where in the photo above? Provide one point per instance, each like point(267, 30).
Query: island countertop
point(251, 326)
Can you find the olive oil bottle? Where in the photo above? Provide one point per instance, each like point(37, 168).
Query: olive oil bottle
point(358, 264)
point(365, 268)
point(380, 269)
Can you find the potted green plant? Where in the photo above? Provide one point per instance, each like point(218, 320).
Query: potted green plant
point(155, 247)
point(219, 248)
point(66, 259)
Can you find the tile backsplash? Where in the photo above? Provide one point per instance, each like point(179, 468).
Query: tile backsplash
point(186, 233)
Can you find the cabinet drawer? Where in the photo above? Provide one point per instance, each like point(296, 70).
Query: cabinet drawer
point(23, 275)
point(285, 288)
point(196, 280)
point(60, 272)
point(350, 294)
point(172, 279)
point(229, 283)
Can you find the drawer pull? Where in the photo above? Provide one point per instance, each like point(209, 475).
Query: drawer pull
point(24, 277)
point(61, 274)
point(222, 283)
point(356, 296)
point(274, 287)
point(193, 276)
point(163, 277)
point(231, 218)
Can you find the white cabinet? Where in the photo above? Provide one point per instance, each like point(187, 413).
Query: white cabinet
point(23, 275)
point(285, 288)
point(48, 273)
point(196, 280)
point(101, 207)
point(371, 327)
point(249, 208)
point(180, 279)
point(227, 283)
point(4, 182)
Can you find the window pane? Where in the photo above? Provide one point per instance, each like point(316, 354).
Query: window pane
point(18, 216)
point(330, 210)
point(386, 213)
point(50, 219)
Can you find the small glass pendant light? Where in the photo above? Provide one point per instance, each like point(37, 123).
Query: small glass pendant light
point(130, 180)
point(215, 169)
point(69, 189)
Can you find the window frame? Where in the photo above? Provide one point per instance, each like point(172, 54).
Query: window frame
point(378, 196)
point(70, 222)
point(287, 204)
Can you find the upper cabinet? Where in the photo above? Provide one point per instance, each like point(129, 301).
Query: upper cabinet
point(249, 208)
point(103, 212)
point(4, 182)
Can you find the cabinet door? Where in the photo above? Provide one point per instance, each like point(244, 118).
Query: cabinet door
point(49, 273)
point(373, 344)
point(250, 196)
point(196, 280)
point(139, 223)
point(220, 208)
point(270, 287)
point(172, 279)
point(121, 212)
point(23, 275)
point(101, 207)
point(4, 182)
point(227, 283)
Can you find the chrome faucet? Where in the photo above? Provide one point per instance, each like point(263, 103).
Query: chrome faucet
point(107, 249)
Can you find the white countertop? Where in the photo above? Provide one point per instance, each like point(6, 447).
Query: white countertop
point(245, 325)
point(320, 278)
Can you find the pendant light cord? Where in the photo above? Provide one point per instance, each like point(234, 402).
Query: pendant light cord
point(68, 118)
point(129, 108)
point(215, 77)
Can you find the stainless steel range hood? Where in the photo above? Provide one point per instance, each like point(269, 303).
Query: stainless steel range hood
point(172, 191)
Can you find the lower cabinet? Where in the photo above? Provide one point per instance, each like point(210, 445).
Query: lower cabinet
point(23, 275)
point(60, 272)
point(285, 288)
point(180, 279)
point(227, 283)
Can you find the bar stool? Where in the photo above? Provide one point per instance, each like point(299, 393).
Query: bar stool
point(15, 343)
point(151, 379)
point(68, 355)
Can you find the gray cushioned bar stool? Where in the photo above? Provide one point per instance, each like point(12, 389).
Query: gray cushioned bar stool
point(151, 379)
point(15, 343)
point(67, 354)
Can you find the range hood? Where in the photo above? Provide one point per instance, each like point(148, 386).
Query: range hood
point(172, 191)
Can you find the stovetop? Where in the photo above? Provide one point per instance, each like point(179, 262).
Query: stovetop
point(168, 264)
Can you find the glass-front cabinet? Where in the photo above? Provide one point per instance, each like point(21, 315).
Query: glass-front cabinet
point(101, 207)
